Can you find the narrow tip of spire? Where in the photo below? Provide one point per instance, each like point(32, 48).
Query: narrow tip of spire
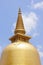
point(19, 11)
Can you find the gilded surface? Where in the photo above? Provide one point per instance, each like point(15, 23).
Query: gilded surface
point(20, 52)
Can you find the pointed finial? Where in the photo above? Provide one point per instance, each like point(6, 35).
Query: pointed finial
point(19, 12)
point(19, 26)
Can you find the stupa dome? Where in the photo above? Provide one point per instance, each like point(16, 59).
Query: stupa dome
point(21, 51)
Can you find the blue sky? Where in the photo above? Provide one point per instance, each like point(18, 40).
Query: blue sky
point(32, 12)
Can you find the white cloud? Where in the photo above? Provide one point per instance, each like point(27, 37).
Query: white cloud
point(14, 25)
point(39, 48)
point(38, 5)
point(35, 34)
point(32, 2)
point(41, 53)
point(30, 21)
point(0, 50)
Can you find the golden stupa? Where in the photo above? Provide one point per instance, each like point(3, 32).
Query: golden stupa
point(20, 52)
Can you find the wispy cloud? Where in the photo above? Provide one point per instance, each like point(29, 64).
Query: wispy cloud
point(39, 48)
point(13, 28)
point(30, 21)
point(38, 5)
point(35, 34)
point(0, 50)
point(32, 1)
point(41, 53)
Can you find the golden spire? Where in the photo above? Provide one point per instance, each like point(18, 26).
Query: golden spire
point(19, 26)
point(19, 30)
